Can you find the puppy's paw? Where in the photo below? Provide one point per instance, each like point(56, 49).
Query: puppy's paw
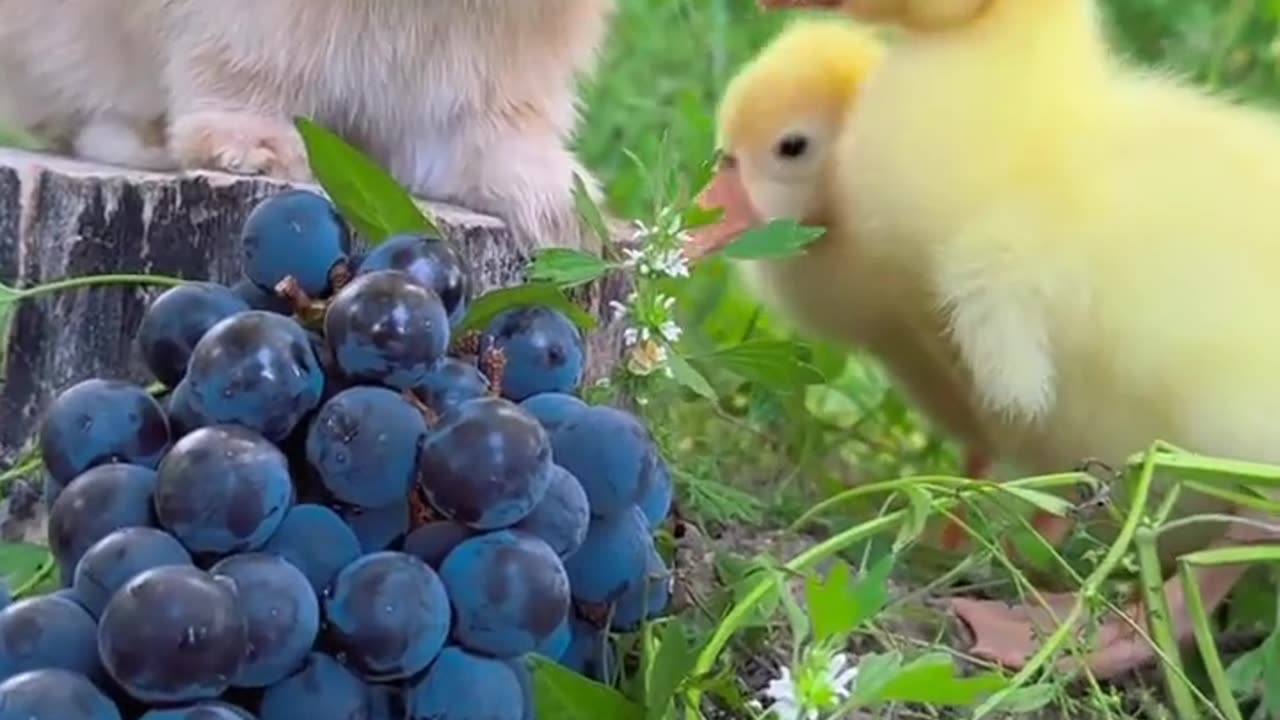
point(121, 141)
point(239, 143)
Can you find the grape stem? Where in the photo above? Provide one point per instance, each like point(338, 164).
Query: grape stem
point(93, 280)
point(493, 365)
point(340, 275)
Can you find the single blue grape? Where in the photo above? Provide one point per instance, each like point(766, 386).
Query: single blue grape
point(385, 328)
point(544, 351)
point(562, 516)
point(612, 559)
point(432, 542)
point(174, 634)
point(99, 421)
point(656, 501)
point(557, 643)
point(464, 686)
point(591, 652)
point(182, 414)
point(509, 590)
point(611, 453)
point(223, 489)
point(283, 615)
point(388, 614)
point(258, 299)
point(364, 445)
point(324, 688)
point(54, 694)
point(432, 263)
point(334, 381)
point(450, 383)
point(48, 632)
point(175, 322)
point(552, 409)
point(316, 541)
point(647, 599)
point(118, 558)
point(67, 593)
point(294, 233)
point(529, 700)
point(381, 528)
point(101, 500)
point(487, 464)
point(254, 369)
point(209, 710)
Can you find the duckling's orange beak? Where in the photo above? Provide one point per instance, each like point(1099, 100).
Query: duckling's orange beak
point(781, 4)
point(725, 192)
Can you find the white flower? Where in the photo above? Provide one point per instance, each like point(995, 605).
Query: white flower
point(633, 257)
point(840, 677)
point(673, 263)
point(670, 331)
point(824, 681)
point(630, 336)
point(786, 704)
point(619, 310)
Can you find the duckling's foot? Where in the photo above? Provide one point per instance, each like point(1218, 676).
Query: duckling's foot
point(1009, 635)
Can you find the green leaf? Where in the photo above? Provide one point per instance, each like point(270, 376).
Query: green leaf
point(366, 194)
point(1029, 699)
point(840, 605)
point(566, 268)
point(589, 211)
point(688, 376)
point(827, 602)
point(8, 310)
point(777, 239)
point(1051, 504)
point(875, 673)
point(931, 679)
point(565, 695)
point(675, 660)
point(1245, 673)
point(772, 363)
point(697, 216)
point(24, 567)
point(491, 304)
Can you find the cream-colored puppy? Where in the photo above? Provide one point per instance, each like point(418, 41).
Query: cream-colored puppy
point(470, 101)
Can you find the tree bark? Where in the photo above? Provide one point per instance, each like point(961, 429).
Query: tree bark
point(60, 219)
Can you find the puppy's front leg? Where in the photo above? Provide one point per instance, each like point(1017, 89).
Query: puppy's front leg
point(521, 172)
point(226, 117)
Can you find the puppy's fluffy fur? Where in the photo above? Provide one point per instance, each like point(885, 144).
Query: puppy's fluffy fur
point(470, 101)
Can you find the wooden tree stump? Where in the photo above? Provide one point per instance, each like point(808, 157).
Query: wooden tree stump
point(60, 219)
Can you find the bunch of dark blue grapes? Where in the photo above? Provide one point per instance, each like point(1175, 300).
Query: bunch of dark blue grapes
point(339, 508)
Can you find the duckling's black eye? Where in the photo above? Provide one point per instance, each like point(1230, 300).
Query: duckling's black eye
point(793, 146)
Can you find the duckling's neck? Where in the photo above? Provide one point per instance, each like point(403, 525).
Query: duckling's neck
point(1030, 42)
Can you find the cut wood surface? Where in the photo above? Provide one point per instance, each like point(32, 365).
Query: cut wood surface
point(61, 218)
